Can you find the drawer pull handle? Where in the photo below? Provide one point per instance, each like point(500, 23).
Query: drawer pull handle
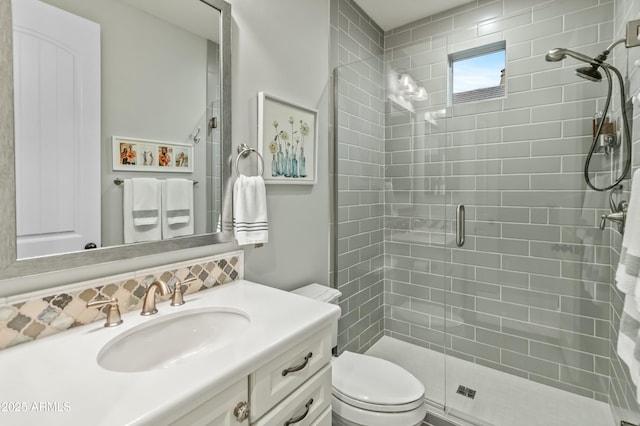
point(298, 367)
point(301, 416)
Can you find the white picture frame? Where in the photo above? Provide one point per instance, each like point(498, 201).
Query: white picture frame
point(144, 155)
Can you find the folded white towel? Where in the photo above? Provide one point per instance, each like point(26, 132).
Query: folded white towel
point(628, 281)
point(177, 223)
point(133, 233)
point(250, 224)
point(146, 205)
point(178, 199)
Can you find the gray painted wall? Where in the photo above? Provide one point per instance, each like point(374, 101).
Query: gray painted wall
point(292, 63)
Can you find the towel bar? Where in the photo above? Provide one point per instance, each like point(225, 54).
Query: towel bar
point(243, 151)
point(119, 181)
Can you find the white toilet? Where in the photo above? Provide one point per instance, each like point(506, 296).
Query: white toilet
point(367, 390)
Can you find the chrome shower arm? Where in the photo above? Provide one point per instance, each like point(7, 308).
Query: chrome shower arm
point(615, 43)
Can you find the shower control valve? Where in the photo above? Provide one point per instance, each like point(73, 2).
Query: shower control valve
point(619, 217)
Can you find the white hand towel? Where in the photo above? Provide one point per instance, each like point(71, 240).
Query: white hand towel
point(133, 233)
point(629, 266)
point(250, 224)
point(179, 197)
point(146, 207)
point(628, 339)
point(185, 224)
point(628, 281)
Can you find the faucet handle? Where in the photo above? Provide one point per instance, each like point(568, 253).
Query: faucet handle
point(176, 298)
point(113, 314)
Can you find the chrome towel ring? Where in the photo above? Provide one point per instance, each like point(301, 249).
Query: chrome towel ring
point(244, 151)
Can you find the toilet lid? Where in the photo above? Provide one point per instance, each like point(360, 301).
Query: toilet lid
point(374, 381)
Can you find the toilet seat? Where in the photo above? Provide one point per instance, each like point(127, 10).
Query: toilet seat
point(374, 384)
point(377, 407)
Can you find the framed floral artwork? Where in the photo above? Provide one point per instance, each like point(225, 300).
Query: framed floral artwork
point(144, 155)
point(287, 141)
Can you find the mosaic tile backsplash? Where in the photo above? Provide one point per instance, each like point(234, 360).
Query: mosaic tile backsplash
point(38, 317)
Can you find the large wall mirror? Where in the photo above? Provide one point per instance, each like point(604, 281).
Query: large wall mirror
point(107, 92)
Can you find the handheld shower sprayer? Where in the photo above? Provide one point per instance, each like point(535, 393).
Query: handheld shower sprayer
point(592, 73)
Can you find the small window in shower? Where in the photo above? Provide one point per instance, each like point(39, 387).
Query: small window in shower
point(477, 74)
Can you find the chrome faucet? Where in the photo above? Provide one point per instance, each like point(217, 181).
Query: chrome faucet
point(149, 303)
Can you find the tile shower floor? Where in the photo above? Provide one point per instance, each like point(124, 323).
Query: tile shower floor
point(501, 400)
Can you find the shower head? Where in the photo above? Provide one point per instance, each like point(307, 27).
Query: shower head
point(558, 54)
point(590, 73)
point(555, 55)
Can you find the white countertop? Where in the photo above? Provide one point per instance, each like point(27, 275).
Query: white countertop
point(57, 380)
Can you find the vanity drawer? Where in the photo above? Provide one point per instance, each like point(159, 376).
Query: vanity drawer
point(304, 406)
point(270, 384)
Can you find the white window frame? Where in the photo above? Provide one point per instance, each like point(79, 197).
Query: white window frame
point(473, 53)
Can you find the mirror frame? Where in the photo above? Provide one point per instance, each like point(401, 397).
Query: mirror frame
point(10, 266)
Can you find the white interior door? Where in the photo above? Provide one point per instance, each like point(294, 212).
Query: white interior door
point(57, 129)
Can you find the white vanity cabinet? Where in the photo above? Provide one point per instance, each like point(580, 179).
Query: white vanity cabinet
point(276, 371)
point(292, 389)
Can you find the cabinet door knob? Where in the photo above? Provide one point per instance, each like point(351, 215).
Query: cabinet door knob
point(241, 412)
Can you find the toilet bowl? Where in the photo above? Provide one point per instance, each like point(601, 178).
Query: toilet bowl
point(375, 392)
point(367, 390)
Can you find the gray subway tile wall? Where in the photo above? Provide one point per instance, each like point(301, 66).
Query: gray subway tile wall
point(360, 175)
point(531, 293)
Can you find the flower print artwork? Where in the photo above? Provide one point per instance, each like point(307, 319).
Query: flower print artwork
point(287, 141)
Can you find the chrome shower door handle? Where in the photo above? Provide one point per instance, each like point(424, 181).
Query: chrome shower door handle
point(460, 225)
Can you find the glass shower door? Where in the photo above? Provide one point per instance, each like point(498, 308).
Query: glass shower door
point(415, 245)
point(528, 331)
point(391, 223)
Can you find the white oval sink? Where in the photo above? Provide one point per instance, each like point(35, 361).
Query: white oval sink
point(172, 339)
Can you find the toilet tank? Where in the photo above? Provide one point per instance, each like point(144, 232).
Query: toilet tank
point(322, 293)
